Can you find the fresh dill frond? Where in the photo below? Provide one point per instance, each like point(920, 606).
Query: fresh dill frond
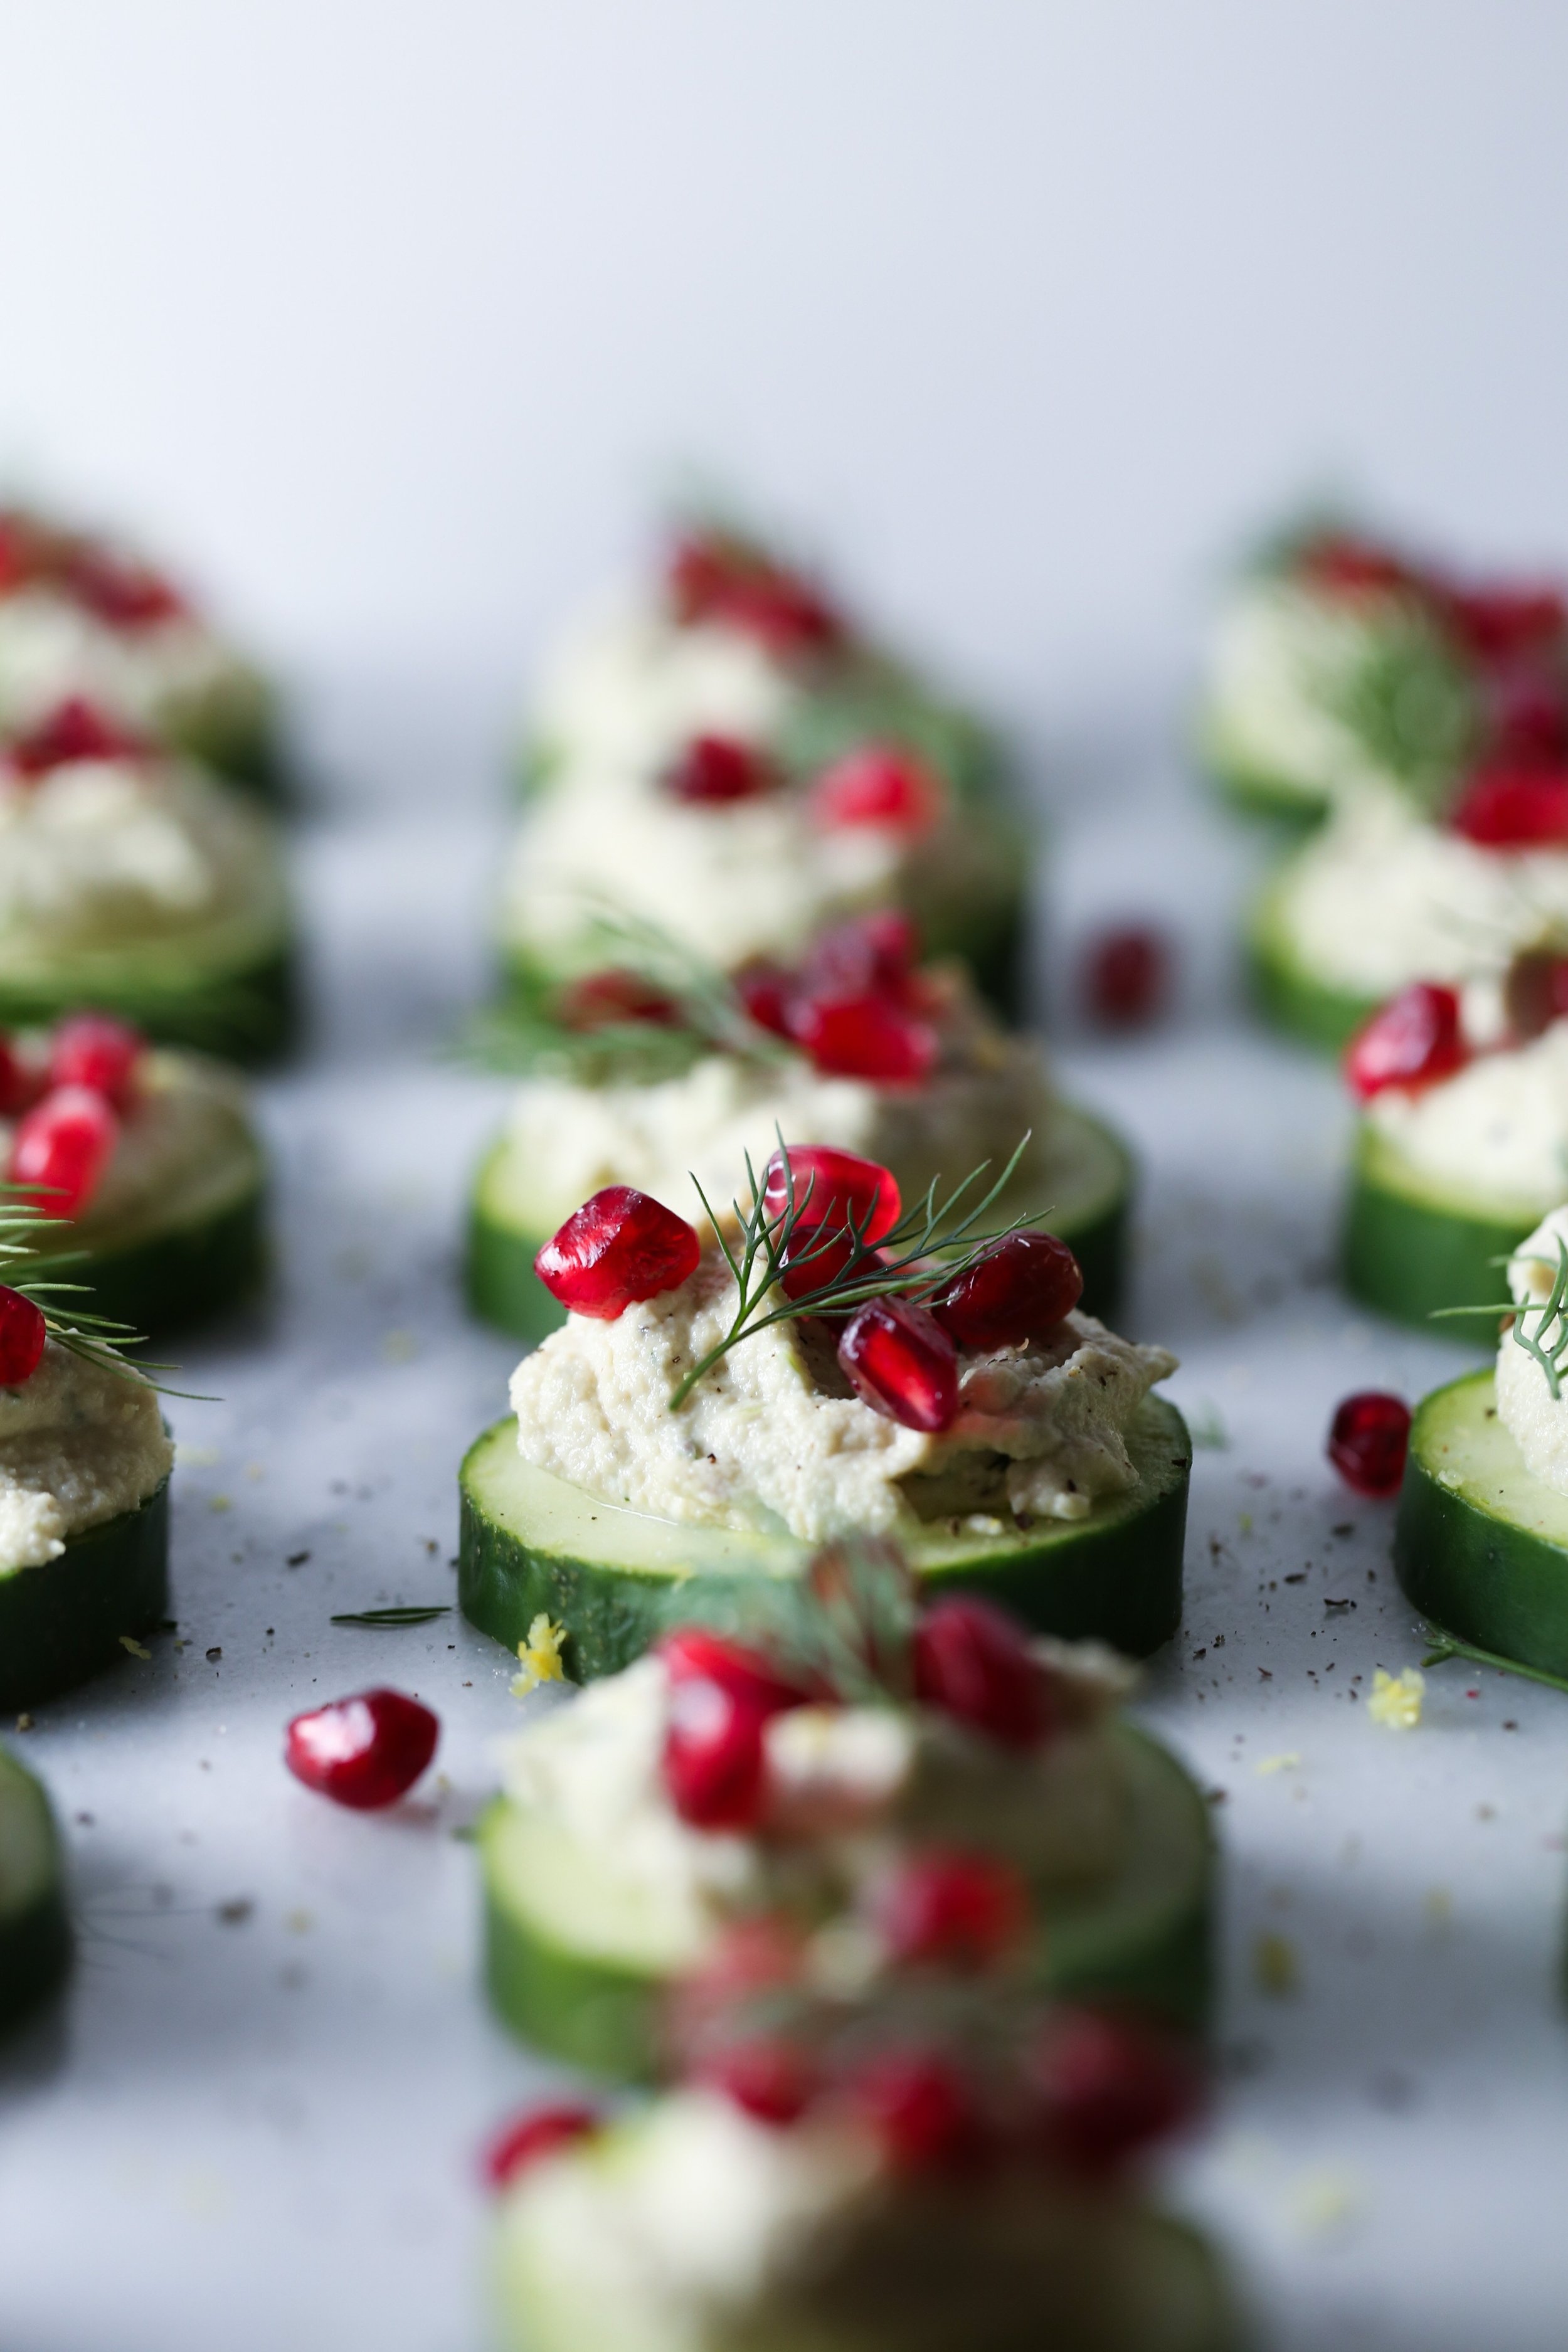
point(25, 1227)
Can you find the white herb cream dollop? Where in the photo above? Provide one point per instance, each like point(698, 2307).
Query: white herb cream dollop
point(79, 1444)
point(1497, 1130)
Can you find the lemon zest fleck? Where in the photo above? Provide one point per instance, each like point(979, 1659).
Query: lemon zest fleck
point(1395, 1700)
point(135, 1648)
point(1289, 1762)
point(539, 1656)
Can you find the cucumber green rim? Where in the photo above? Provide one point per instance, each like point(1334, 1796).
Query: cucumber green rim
point(63, 1622)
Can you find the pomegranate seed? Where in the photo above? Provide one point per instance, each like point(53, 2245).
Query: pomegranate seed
point(125, 594)
point(1106, 2087)
point(616, 1249)
point(769, 2079)
point(922, 2110)
point(1536, 993)
point(14, 564)
point(1413, 1040)
point(1020, 1289)
point(878, 784)
point(1515, 808)
point(1527, 725)
point(1126, 976)
point(23, 1333)
point(1341, 564)
point(902, 1363)
point(1499, 624)
point(713, 576)
point(62, 1147)
point(532, 2138)
point(721, 1697)
point(865, 1037)
point(1368, 1440)
point(20, 1083)
point(716, 768)
point(365, 1751)
point(870, 955)
point(764, 991)
point(954, 1910)
point(974, 1662)
point(73, 730)
point(602, 998)
point(832, 1192)
point(95, 1051)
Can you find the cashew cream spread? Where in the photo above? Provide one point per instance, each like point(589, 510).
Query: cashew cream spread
point(1497, 1127)
point(763, 1441)
point(631, 686)
point(52, 647)
point(79, 1444)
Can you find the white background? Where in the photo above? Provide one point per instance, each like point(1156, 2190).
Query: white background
point(391, 319)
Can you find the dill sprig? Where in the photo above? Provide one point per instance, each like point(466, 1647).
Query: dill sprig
point(1442, 1647)
point(764, 1245)
point(528, 1038)
point(96, 1338)
point(1548, 1346)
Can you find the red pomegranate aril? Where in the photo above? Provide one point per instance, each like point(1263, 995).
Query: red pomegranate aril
point(619, 1248)
point(1515, 808)
point(95, 1051)
point(764, 991)
point(878, 784)
point(534, 2137)
point(601, 999)
point(954, 1910)
point(1527, 723)
point(62, 1147)
point(366, 1752)
point(1499, 624)
point(721, 1697)
point(1536, 993)
point(1343, 564)
point(714, 576)
point(125, 594)
point(865, 1037)
point(23, 1334)
point(21, 1082)
point(692, 1654)
point(828, 1186)
point(922, 2110)
point(976, 1662)
point(902, 1363)
point(75, 730)
point(1020, 1289)
point(1369, 1438)
point(1412, 1041)
point(1126, 975)
point(869, 955)
point(718, 768)
point(769, 2079)
point(1105, 2088)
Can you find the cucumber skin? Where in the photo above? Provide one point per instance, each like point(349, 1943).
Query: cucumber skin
point(1121, 1584)
point(252, 1016)
point(1475, 1575)
point(605, 2018)
point(1406, 1257)
point(61, 1622)
point(502, 1288)
point(1290, 999)
point(174, 1280)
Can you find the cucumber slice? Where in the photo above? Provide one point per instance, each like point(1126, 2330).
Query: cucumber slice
point(1481, 1547)
point(34, 1929)
point(233, 994)
point(232, 727)
point(1410, 1244)
point(62, 1622)
point(1251, 792)
point(576, 1962)
point(614, 1577)
point(1085, 1182)
point(1287, 993)
point(900, 2278)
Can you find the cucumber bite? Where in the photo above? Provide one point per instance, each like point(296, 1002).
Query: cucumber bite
point(832, 1364)
point(606, 1881)
point(140, 886)
point(1481, 1540)
point(665, 1073)
point(34, 1927)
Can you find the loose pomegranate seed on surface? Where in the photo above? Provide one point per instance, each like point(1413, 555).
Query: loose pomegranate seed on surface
point(1368, 1440)
point(902, 1363)
point(95, 1051)
point(715, 1762)
point(533, 2137)
point(922, 2110)
point(771, 2079)
point(1125, 977)
point(718, 768)
point(62, 1147)
point(1515, 808)
point(602, 998)
point(1536, 993)
point(954, 1910)
point(1104, 2088)
point(1020, 1289)
point(974, 1662)
point(365, 1751)
point(714, 576)
point(878, 784)
point(619, 1248)
point(1411, 1041)
point(23, 1335)
point(865, 1037)
point(75, 730)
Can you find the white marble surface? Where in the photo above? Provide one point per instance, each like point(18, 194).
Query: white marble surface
point(254, 2121)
